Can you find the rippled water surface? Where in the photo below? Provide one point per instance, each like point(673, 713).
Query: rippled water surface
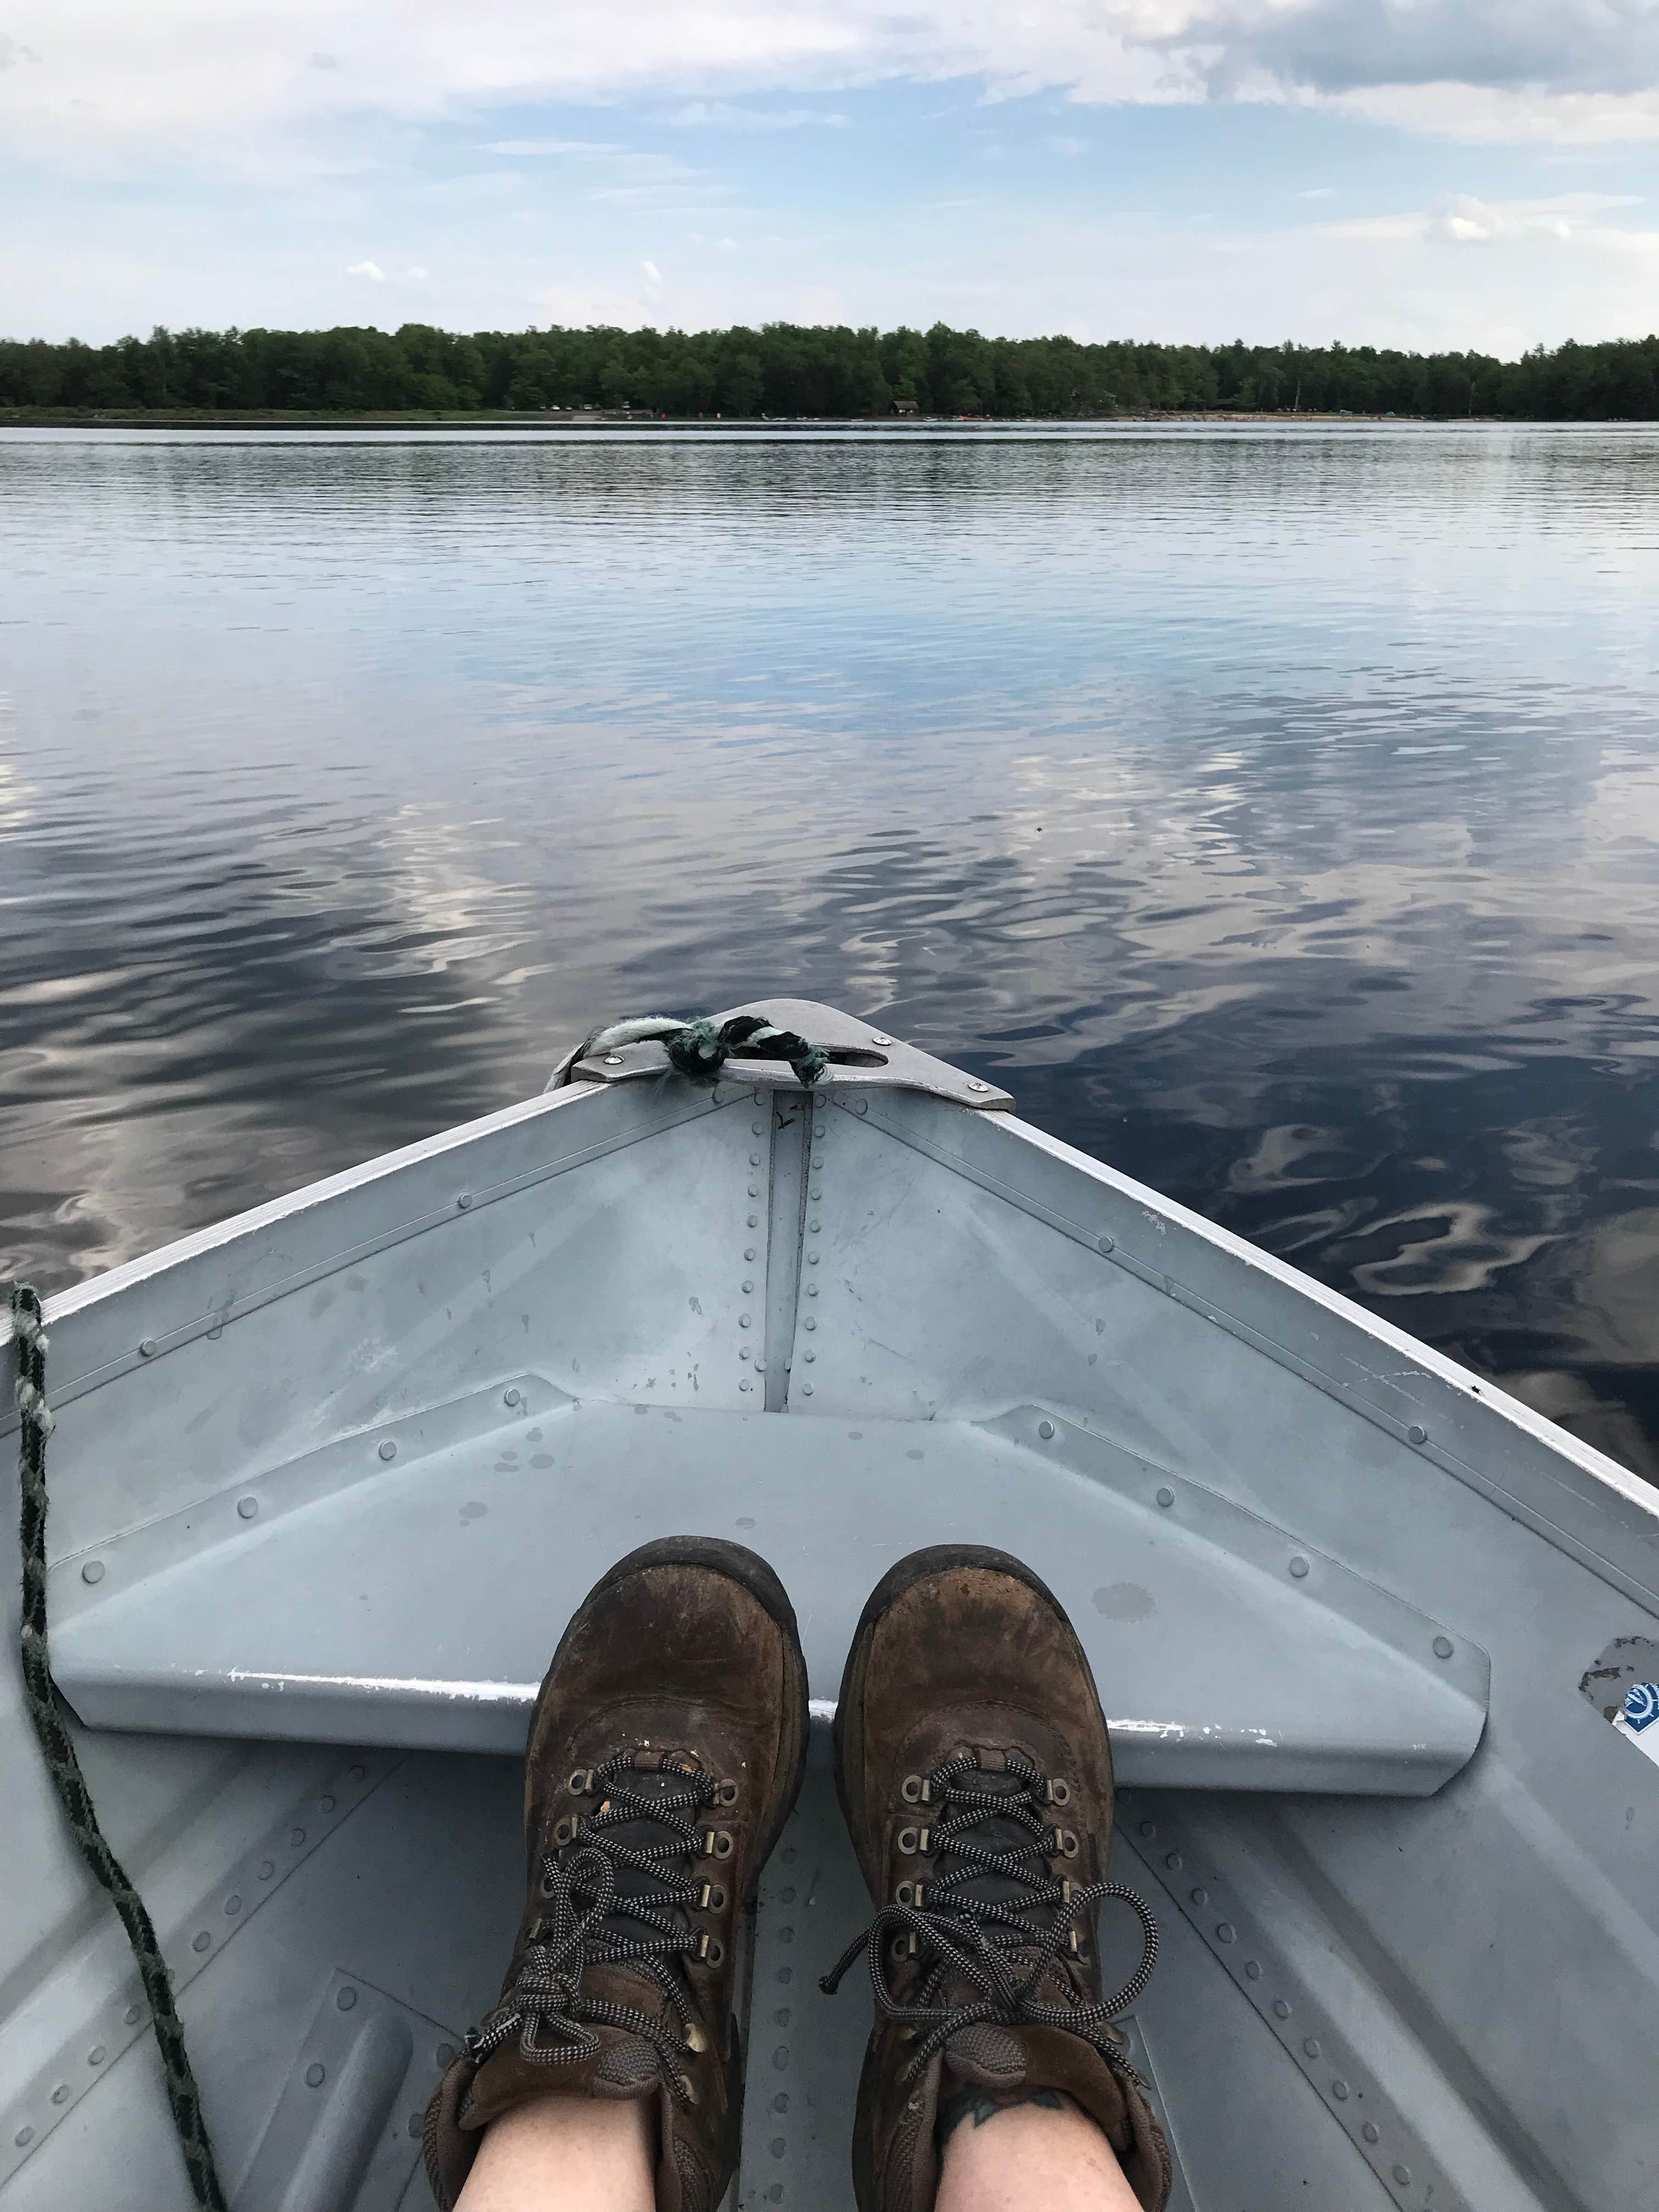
point(1276, 813)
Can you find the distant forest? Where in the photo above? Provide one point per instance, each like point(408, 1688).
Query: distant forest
point(790, 369)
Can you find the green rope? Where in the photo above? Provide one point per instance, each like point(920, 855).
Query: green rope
point(29, 1323)
point(701, 1049)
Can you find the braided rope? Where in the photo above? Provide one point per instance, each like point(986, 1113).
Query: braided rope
point(701, 1049)
point(28, 1319)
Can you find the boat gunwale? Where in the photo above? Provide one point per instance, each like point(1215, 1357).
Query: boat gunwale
point(896, 1114)
point(1476, 1396)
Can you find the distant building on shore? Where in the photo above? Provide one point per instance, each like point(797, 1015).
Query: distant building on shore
point(904, 407)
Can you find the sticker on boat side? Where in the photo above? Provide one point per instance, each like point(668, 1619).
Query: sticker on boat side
point(1640, 1717)
point(1623, 1687)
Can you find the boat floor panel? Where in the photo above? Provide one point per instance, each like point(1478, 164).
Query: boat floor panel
point(416, 1606)
point(321, 2021)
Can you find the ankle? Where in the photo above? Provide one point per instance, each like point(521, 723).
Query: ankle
point(1001, 2152)
point(581, 2154)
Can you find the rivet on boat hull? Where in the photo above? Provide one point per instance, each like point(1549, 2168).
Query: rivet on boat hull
point(246, 1508)
point(1298, 1566)
point(1166, 1496)
point(1443, 1647)
point(388, 1449)
point(93, 1571)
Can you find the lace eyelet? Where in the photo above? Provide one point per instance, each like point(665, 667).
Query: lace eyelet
point(726, 1794)
point(710, 1949)
point(913, 1790)
point(695, 2039)
point(580, 1783)
point(910, 1893)
point(1113, 2033)
point(903, 1947)
point(546, 1884)
point(564, 1831)
point(711, 1898)
point(687, 2089)
point(912, 1842)
point(1060, 1792)
point(717, 1844)
point(1066, 1844)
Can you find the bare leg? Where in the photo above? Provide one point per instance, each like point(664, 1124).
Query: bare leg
point(1042, 2156)
point(567, 2154)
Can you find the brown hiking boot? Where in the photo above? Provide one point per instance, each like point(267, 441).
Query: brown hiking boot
point(666, 1752)
point(974, 1770)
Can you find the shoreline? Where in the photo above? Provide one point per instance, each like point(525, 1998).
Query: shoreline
point(203, 418)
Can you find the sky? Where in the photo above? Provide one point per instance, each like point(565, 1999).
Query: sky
point(1425, 173)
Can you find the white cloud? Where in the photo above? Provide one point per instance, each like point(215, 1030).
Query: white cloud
point(416, 275)
point(652, 273)
point(723, 115)
point(204, 76)
point(577, 149)
point(1498, 115)
point(1572, 218)
point(371, 270)
point(620, 176)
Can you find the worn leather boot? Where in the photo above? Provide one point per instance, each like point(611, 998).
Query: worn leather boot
point(975, 1774)
point(666, 1752)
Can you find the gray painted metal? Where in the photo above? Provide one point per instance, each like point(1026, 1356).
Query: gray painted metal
point(273, 1439)
point(1237, 1659)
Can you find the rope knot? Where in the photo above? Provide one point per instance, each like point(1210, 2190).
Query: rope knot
point(700, 1050)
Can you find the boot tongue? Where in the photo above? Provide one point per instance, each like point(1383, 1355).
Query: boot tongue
point(641, 1833)
point(987, 2052)
point(1001, 1832)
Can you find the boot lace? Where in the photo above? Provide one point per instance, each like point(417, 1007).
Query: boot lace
point(998, 1937)
point(614, 1900)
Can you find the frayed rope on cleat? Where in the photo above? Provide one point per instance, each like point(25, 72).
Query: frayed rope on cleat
point(28, 1325)
point(700, 1050)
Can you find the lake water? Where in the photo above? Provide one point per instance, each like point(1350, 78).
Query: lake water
point(1275, 811)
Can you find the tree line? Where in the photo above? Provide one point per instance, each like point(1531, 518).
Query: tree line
point(793, 369)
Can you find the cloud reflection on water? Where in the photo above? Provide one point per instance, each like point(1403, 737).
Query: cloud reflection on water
point(1279, 822)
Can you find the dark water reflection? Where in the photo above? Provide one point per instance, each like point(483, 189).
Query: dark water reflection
point(1277, 814)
